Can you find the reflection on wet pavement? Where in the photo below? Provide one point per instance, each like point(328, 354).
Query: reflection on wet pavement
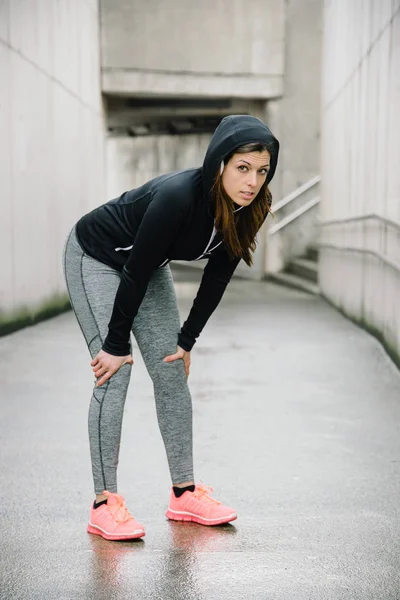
point(296, 415)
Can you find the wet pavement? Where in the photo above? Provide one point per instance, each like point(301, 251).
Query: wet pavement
point(297, 423)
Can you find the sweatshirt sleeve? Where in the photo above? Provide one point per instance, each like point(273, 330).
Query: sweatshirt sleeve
point(164, 217)
point(216, 276)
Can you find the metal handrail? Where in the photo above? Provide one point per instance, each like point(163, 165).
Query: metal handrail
point(294, 215)
point(378, 255)
point(360, 218)
point(298, 192)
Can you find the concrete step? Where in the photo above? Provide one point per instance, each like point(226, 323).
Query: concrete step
point(304, 268)
point(295, 282)
point(312, 253)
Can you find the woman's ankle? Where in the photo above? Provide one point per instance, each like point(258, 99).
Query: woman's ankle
point(100, 498)
point(182, 485)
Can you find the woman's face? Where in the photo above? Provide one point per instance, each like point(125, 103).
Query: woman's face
point(244, 175)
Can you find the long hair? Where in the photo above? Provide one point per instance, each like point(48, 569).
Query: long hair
point(240, 229)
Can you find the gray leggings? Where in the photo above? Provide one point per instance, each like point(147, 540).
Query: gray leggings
point(92, 287)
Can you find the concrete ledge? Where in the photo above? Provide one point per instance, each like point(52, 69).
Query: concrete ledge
point(363, 285)
point(26, 316)
point(293, 281)
point(137, 82)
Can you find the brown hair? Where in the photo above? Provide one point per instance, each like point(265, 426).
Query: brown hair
point(240, 229)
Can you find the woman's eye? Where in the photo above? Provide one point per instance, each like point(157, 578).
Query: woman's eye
point(263, 171)
point(242, 168)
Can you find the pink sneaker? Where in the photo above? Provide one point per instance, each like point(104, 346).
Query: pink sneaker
point(199, 507)
point(113, 521)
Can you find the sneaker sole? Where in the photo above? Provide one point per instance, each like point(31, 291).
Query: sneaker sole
point(115, 536)
point(174, 515)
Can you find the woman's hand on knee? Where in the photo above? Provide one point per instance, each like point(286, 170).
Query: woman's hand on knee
point(105, 365)
point(180, 354)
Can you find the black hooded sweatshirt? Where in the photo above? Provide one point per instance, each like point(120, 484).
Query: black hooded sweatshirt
point(169, 218)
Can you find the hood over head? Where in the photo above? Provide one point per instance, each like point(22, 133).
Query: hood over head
point(232, 132)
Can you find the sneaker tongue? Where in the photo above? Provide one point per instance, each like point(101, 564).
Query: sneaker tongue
point(117, 507)
point(113, 500)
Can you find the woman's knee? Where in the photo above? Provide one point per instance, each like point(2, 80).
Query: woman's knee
point(117, 385)
point(168, 374)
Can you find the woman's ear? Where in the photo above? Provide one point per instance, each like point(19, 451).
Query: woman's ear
point(221, 170)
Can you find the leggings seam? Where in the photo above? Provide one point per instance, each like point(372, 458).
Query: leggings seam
point(105, 393)
point(96, 398)
point(65, 269)
point(99, 430)
point(69, 293)
point(93, 338)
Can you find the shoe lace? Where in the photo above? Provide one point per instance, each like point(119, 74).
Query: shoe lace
point(119, 510)
point(203, 491)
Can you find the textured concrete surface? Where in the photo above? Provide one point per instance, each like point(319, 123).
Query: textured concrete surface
point(140, 55)
point(359, 242)
point(296, 418)
point(51, 144)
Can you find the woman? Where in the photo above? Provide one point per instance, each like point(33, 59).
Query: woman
point(118, 279)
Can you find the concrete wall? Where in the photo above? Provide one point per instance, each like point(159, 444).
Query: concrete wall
point(131, 161)
point(51, 144)
point(295, 118)
point(223, 48)
point(360, 256)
